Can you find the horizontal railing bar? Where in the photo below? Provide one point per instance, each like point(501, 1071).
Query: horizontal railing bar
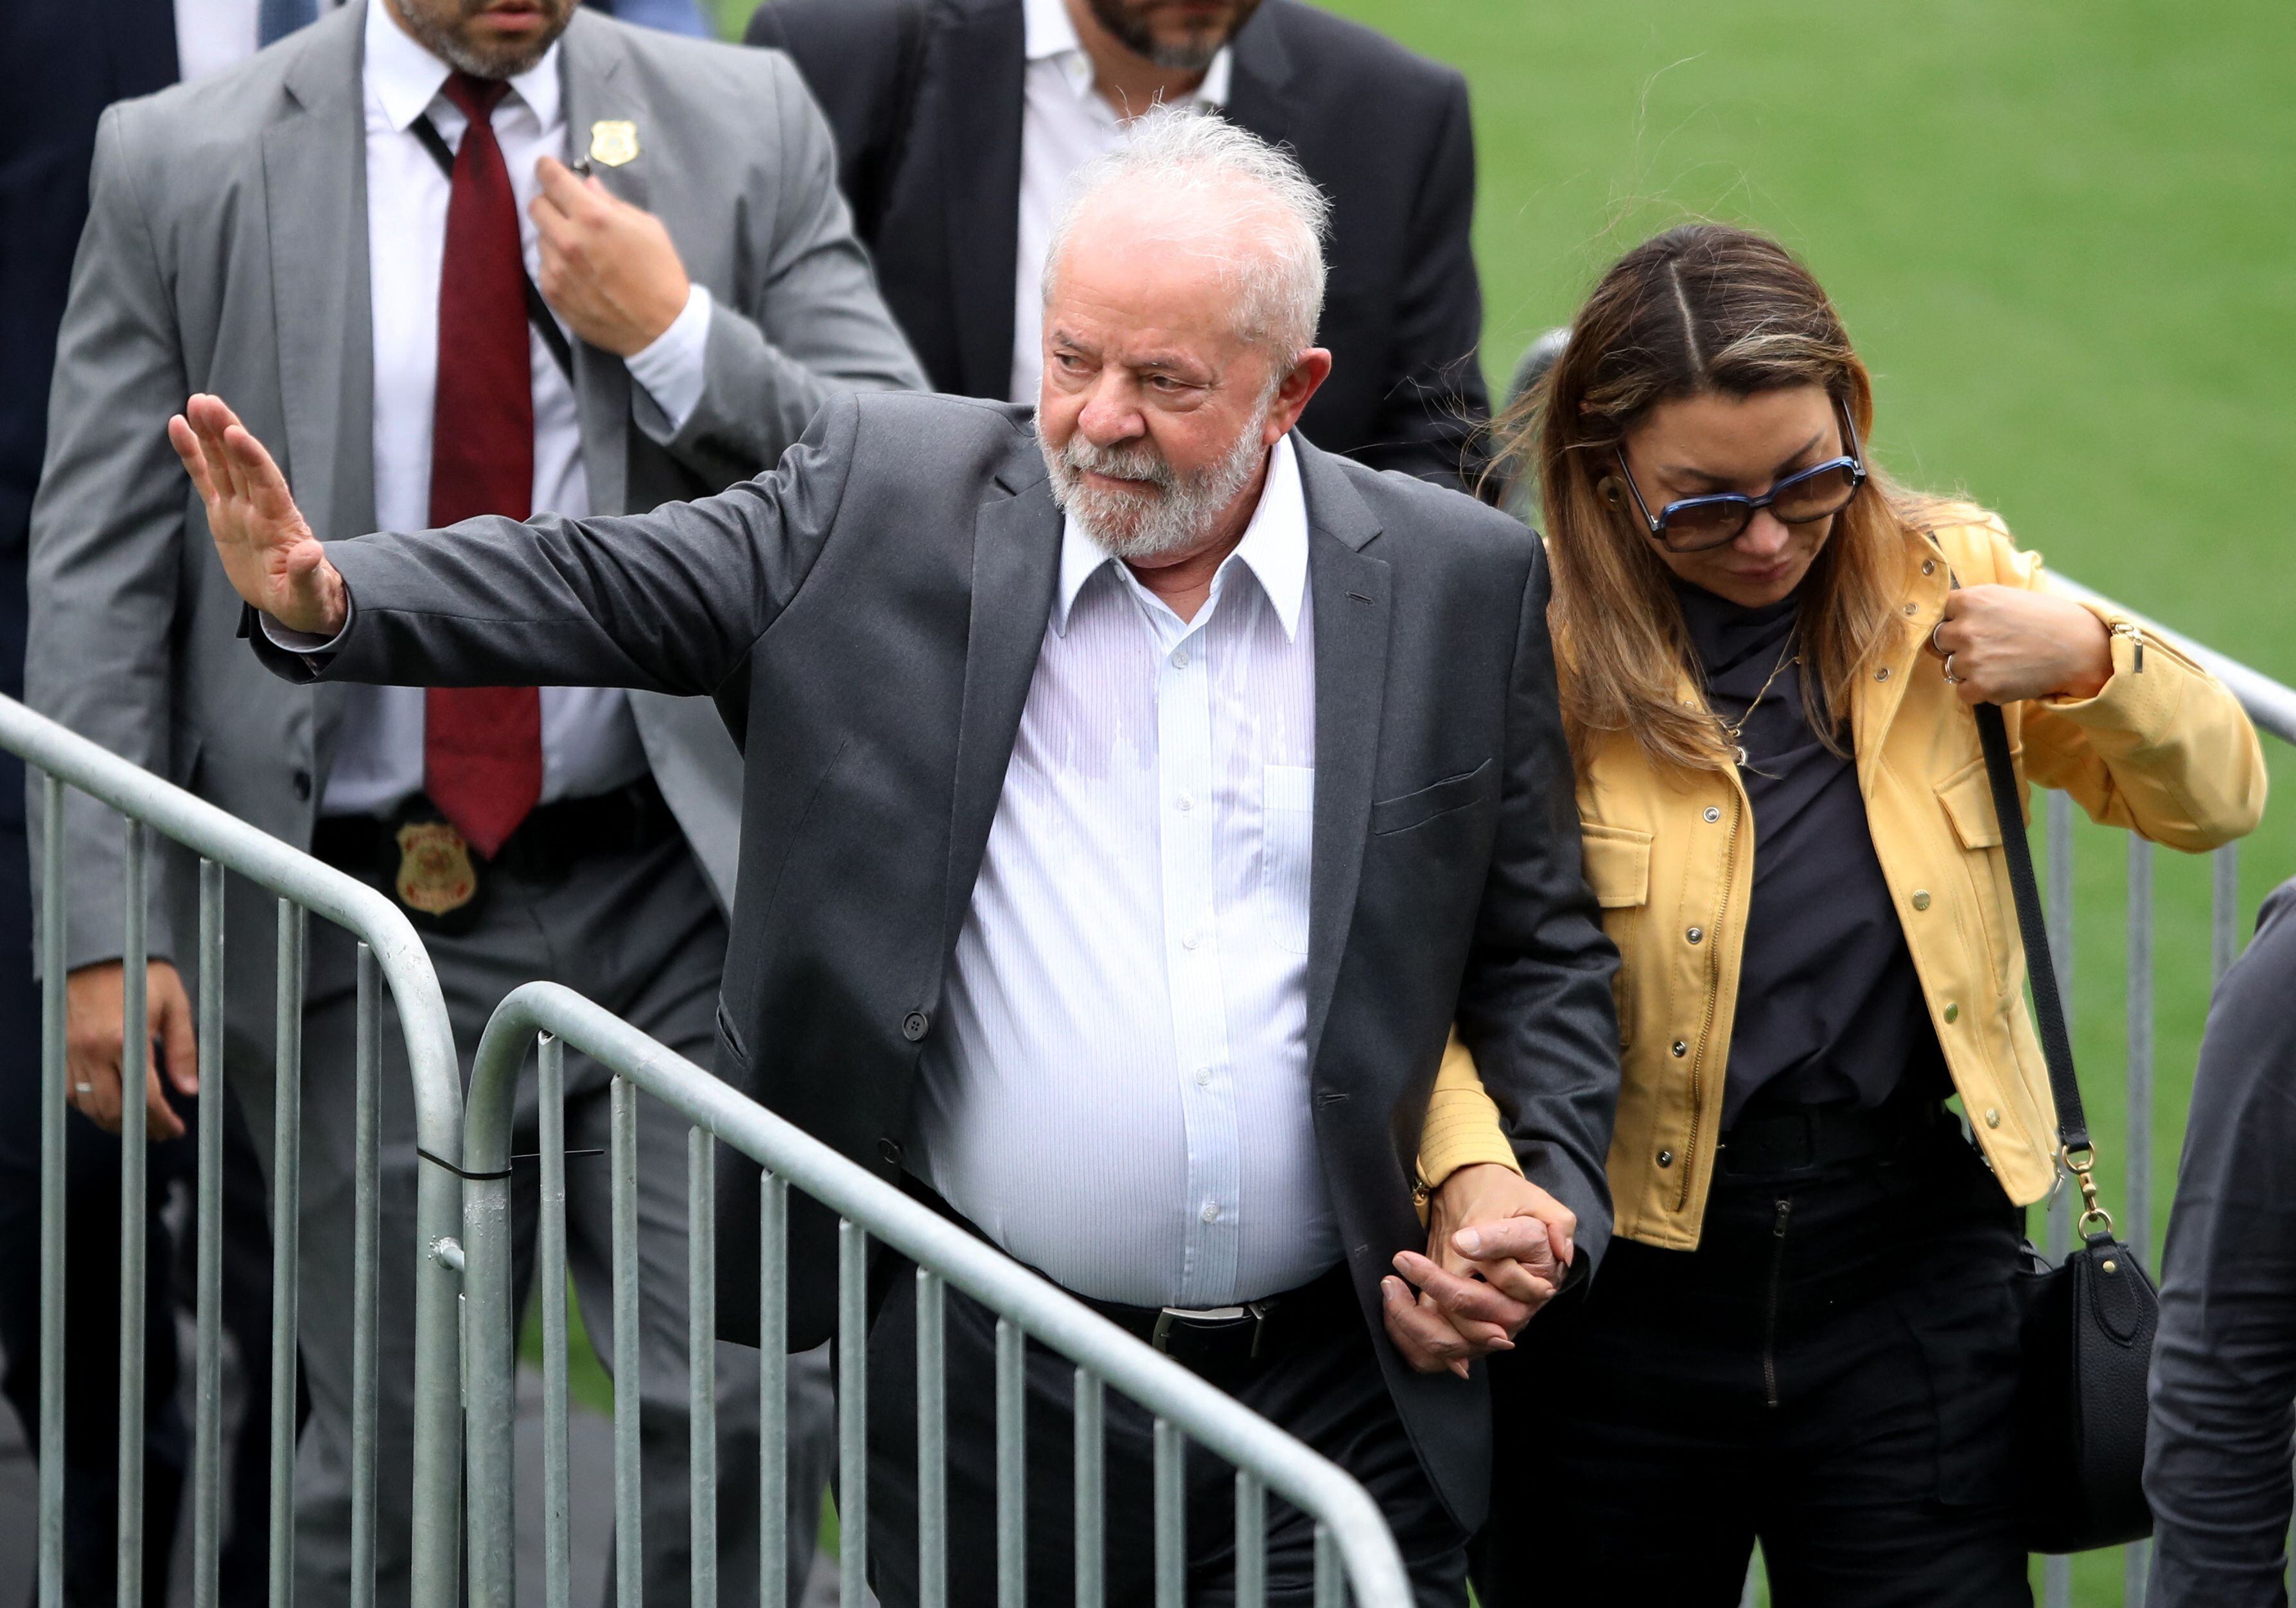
point(2270, 703)
point(1208, 1415)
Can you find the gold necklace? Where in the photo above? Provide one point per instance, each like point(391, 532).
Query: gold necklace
point(1734, 733)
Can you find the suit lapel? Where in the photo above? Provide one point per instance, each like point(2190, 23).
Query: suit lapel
point(1016, 558)
point(981, 89)
point(596, 91)
point(315, 194)
point(314, 200)
point(1259, 85)
point(1352, 609)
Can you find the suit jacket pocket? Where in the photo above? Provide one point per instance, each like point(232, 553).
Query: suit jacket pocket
point(730, 1048)
point(1412, 809)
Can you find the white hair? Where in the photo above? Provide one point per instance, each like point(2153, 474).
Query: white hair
point(1247, 203)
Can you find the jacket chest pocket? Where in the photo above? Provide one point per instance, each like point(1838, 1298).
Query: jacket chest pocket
point(1287, 834)
point(1617, 861)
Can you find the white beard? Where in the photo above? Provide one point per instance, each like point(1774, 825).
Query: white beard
point(1142, 527)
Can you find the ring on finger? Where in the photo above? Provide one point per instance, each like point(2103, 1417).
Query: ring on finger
point(83, 1088)
point(1951, 679)
point(1935, 645)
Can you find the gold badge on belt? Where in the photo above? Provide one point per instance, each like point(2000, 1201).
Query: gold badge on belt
point(435, 874)
point(613, 141)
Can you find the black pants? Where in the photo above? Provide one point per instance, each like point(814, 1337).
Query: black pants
point(1832, 1372)
point(1329, 1394)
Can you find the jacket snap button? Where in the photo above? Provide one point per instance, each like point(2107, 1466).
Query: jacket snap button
point(1921, 898)
point(1913, 608)
point(1992, 1118)
point(1882, 674)
point(1713, 814)
point(1696, 935)
point(1666, 1158)
point(888, 1152)
point(1929, 566)
point(1680, 1049)
point(1953, 1013)
point(913, 1026)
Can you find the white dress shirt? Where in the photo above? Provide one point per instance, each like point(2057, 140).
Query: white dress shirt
point(1065, 124)
point(1117, 1093)
point(589, 742)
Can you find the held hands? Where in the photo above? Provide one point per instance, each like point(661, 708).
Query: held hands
point(609, 268)
point(1498, 1246)
point(268, 552)
point(94, 998)
point(2003, 643)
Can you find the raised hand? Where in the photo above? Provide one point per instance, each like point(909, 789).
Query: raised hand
point(268, 552)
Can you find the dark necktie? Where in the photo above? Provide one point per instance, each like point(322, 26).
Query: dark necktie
point(482, 746)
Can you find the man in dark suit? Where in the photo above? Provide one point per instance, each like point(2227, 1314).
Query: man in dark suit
point(958, 122)
point(1136, 795)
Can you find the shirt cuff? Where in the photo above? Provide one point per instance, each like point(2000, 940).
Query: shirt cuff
point(312, 648)
point(673, 368)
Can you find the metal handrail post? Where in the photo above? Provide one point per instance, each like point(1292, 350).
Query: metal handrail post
point(1349, 1520)
point(70, 760)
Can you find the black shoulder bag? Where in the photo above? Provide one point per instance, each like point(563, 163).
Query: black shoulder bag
point(2088, 1322)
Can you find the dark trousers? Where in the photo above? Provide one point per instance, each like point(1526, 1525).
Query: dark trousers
point(1832, 1372)
point(1328, 1393)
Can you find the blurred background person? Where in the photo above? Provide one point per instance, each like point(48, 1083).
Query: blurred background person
point(959, 123)
point(371, 230)
point(2224, 1365)
point(1806, 1332)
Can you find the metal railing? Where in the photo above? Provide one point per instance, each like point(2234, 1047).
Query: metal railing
point(1353, 1546)
point(389, 951)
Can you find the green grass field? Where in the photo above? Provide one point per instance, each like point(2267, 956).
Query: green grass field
point(2064, 231)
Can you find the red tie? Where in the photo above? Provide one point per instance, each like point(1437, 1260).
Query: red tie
point(482, 746)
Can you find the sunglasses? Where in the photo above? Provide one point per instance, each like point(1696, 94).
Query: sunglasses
point(1696, 523)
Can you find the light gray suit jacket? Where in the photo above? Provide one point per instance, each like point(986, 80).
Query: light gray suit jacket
point(226, 250)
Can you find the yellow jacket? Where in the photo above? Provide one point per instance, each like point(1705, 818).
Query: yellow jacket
point(2165, 751)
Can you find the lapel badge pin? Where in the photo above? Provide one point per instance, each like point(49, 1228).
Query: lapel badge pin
point(613, 142)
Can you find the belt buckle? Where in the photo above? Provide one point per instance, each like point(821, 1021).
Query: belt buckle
point(1256, 1312)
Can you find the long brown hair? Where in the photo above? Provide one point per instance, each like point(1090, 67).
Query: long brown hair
point(1700, 308)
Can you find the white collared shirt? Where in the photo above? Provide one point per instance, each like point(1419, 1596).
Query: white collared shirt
point(589, 743)
point(1115, 1091)
point(1065, 124)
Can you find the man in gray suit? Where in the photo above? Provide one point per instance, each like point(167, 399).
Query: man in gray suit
point(374, 235)
point(1136, 796)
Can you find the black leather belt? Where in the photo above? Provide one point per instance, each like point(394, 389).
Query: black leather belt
point(1809, 1138)
point(1230, 1339)
point(552, 835)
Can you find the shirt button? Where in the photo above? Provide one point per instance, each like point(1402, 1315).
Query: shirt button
point(1187, 802)
point(1921, 898)
point(1680, 1049)
point(889, 1151)
point(1179, 658)
point(1666, 1158)
point(1210, 1213)
point(913, 1026)
point(1696, 935)
point(1712, 814)
point(1953, 1013)
point(1992, 1118)
point(1203, 1077)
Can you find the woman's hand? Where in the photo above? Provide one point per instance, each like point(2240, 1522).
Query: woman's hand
point(2004, 644)
point(1498, 1247)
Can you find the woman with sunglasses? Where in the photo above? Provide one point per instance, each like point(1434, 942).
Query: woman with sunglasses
point(1803, 1332)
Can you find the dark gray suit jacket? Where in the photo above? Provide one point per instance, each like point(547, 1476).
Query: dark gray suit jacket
point(868, 618)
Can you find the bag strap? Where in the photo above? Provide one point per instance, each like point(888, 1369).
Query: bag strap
point(2075, 1150)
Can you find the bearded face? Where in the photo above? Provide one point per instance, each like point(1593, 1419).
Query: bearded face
point(1181, 36)
point(1159, 512)
point(485, 38)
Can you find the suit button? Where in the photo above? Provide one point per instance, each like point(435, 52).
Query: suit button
point(302, 786)
point(888, 1152)
point(914, 1026)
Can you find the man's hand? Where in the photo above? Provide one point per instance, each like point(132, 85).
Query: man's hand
point(608, 269)
point(94, 1002)
point(1498, 1246)
point(268, 552)
point(2003, 643)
